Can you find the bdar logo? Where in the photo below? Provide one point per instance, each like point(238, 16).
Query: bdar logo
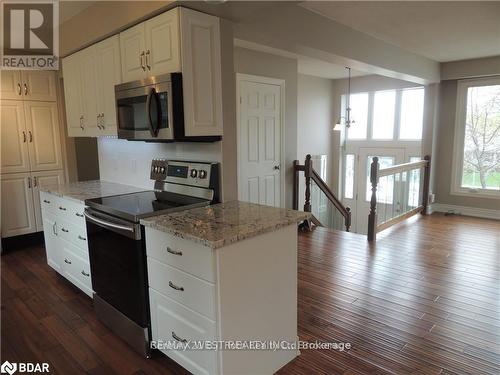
point(8, 368)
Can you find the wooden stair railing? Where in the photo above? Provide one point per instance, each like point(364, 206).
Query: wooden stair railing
point(311, 174)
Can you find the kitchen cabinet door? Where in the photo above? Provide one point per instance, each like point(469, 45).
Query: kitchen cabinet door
point(132, 48)
point(162, 44)
point(42, 125)
point(73, 95)
point(44, 178)
point(39, 85)
point(89, 89)
point(108, 75)
point(18, 216)
point(52, 242)
point(201, 73)
point(14, 138)
point(10, 85)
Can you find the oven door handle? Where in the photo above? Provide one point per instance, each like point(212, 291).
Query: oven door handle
point(107, 223)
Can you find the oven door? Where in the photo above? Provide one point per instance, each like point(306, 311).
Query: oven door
point(118, 264)
point(145, 113)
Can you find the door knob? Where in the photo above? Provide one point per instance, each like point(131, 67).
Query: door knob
point(277, 167)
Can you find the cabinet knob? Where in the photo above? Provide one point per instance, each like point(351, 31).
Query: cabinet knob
point(62, 208)
point(177, 338)
point(79, 215)
point(24, 136)
point(173, 286)
point(67, 261)
point(46, 201)
point(19, 91)
point(141, 56)
point(25, 89)
point(65, 230)
point(82, 238)
point(85, 273)
point(148, 53)
point(174, 252)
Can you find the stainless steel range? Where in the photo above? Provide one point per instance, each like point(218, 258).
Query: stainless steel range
point(117, 248)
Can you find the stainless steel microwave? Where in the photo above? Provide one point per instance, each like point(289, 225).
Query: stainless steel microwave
point(152, 110)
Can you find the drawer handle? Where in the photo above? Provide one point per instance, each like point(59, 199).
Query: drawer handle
point(85, 274)
point(173, 286)
point(178, 338)
point(64, 230)
point(46, 201)
point(82, 238)
point(62, 208)
point(79, 215)
point(67, 261)
point(174, 251)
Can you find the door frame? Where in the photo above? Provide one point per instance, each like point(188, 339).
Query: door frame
point(241, 77)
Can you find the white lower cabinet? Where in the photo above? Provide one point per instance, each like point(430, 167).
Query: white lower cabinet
point(245, 291)
point(66, 239)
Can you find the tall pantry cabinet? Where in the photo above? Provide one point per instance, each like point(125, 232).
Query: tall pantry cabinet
point(31, 152)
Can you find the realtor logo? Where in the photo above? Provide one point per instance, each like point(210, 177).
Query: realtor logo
point(8, 368)
point(30, 35)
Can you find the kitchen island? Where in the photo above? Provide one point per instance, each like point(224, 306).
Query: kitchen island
point(224, 276)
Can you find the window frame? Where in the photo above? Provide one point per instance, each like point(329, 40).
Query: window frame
point(459, 140)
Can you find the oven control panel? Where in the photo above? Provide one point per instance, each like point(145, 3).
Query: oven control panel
point(181, 172)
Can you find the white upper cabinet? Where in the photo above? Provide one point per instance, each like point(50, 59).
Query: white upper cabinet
point(108, 75)
point(90, 76)
point(201, 73)
point(42, 127)
point(162, 53)
point(28, 85)
point(73, 94)
point(39, 85)
point(133, 54)
point(14, 138)
point(11, 86)
point(151, 47)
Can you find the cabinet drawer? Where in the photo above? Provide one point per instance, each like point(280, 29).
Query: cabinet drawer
point(186, 255)
point(195, 293)
point(170, 322)
point(77, 235)
point(71, 211)
point(48, 201)
point(75, 268)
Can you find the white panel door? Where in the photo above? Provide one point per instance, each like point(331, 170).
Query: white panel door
point(14, 138)
point(132, 47)
point(10, 84)
point(260, 143)
point(162, 54)
point(73, 96)
point(386, 201)
point(108, 75)
point(18, 216)
point(89, 90)
point(201, 73)
point(39, 85)
point(44, 178)
point(42, 125)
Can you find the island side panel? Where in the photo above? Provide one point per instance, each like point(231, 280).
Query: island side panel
point(257, 298)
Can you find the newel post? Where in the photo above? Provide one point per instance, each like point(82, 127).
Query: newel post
point(372, 216)
point(348, 219)
point(295, 185)
point(427, 180)
point(307, 175)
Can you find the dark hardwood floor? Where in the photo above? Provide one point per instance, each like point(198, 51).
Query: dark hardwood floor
point(424, 300)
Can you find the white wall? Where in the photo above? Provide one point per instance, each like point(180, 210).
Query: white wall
point(315, 119)
point(129, 162)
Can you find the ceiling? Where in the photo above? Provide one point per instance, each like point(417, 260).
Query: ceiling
point(69, 9)
point(440, 30)
point(319, 68)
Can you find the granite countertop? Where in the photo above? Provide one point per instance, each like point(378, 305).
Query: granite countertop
point(225, 223)
point(79, 191)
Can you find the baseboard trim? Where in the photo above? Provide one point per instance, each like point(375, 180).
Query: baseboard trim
point(466, 211)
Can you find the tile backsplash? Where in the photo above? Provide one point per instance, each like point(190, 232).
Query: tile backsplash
point(129, 162)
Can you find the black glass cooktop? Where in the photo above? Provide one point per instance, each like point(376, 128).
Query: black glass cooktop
point(136, 206)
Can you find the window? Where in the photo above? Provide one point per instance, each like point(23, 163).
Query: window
point(412, 114)
point(386, 115)
point(359, 116)
point(383, 114)
point(476, 167)
point(349, 177)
